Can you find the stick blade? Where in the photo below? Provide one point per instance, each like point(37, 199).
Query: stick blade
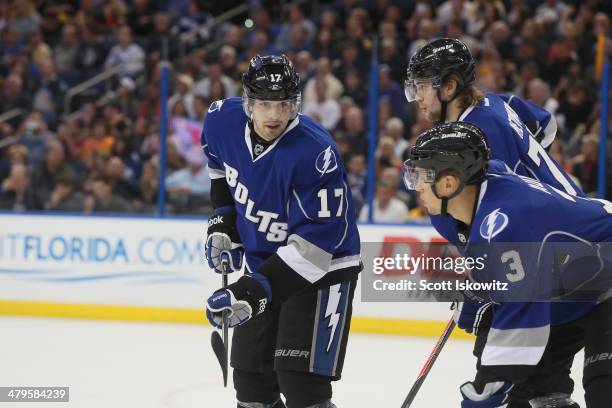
point(221, 352)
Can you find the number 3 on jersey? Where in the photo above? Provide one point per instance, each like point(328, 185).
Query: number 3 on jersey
point(323, 196)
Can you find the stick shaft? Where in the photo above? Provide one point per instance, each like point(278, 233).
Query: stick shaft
point(429, 363)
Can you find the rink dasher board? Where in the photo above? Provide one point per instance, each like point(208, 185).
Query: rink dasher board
point(151, 269)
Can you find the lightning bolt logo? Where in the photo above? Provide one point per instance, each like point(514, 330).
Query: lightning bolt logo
point(331, 311)
point(493, 224)
point(326, 161)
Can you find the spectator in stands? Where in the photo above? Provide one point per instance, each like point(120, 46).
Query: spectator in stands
point(200, 107)
point(49, 96)
point(140, 17)
point(13, 95)
point(391, 90)
point(45, 174)
point(25, 20)
point(183, 87)
point(574, 107)
point(387, 207)
point(126, 52)
point(394, 128)
point(10, 47)
point(102, 198)
point(385, 154)
point(192, 183)
point(39, 49)
point(161, 42)
point(33, 134)
point(333, 86)
point(149, 180)
point(356, 177)
point(324, 108)
point(100, 140)
point(65, 53)
point(65, 196)
point(193, 179)
point(353, 131)
point(353, 87)
point(585, 165)
point(90, 55)
point(120, 185)
point(215, 74)
point(538, 92)
point(297, 24)
point(16, 194)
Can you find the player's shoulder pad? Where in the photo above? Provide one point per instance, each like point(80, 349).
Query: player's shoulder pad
point(223, 107)
point(318, 154)
point(499, 214)
point(221, 113)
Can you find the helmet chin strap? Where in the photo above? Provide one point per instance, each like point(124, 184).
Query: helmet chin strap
point(444, 200)
point(444, 103)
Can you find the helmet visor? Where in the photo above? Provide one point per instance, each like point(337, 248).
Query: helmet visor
point(414, 175)
point(413, 86)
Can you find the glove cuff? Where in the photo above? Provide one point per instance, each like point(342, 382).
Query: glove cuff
point(255, 290)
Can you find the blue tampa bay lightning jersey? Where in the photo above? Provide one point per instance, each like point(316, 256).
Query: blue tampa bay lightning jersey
point(293, 199)
point(541, 124)
point(511, 141)
point(516, 219)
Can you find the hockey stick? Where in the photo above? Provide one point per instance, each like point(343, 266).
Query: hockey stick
point(429, 363)
point(220, 346)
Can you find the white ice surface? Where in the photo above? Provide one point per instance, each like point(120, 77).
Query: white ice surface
point(113, 364)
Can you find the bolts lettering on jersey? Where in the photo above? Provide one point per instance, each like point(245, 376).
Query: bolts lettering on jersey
point(275, 231)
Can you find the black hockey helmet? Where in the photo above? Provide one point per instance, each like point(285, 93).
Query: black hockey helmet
point(439, 59)
point(271, 77)
point(457, 146)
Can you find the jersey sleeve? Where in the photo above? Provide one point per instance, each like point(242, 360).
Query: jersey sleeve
point(210, 134)
point(318, 216)
point(541, 124)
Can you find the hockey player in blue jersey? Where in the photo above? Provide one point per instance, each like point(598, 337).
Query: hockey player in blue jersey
point(528, 342)
point(281, 198)
point(440, 79)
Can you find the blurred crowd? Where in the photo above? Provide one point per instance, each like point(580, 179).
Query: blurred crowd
point(98, 150)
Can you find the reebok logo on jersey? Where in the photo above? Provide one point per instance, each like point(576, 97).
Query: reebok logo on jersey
point(326, 161)
point(493, 224)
